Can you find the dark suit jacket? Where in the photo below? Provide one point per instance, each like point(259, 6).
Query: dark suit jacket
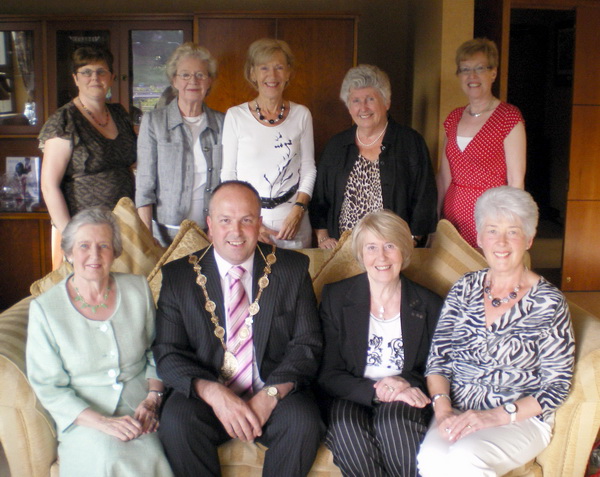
point(345, 317)
point(407, 179)
point(287, 333)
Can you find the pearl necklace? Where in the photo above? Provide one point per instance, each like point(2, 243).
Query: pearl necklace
point(270, 121)
point(376, 139)
point(102, 125)
point(476, 115)
point(85, 304)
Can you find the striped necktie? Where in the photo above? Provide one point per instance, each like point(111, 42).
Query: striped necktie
point(242, 347)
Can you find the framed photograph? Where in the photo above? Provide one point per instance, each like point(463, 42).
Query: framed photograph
point(23, 180)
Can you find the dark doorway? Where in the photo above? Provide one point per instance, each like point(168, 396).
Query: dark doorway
point(540, 84)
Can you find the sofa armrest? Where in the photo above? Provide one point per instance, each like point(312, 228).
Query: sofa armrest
point(26, 430)
point(578, 419)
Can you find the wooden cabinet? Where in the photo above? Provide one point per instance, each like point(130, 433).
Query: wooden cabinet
point(24, 254)
point(324, 47)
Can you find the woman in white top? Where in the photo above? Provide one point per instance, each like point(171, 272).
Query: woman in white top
point(268, 142)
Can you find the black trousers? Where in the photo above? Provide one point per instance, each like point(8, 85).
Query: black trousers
point(190, 433)
point(377, 442)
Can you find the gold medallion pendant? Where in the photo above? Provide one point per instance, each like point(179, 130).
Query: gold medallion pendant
point(230, 365)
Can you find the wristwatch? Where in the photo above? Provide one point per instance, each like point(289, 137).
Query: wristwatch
point(273, 392)
point(301, 205)
point(511, 409)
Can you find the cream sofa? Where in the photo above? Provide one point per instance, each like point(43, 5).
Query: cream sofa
point(27, 432)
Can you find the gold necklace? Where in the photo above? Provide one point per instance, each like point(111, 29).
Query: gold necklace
point(230, 363)
point(102, 125)
point(85, 304)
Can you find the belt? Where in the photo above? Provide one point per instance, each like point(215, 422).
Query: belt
point(272, 203)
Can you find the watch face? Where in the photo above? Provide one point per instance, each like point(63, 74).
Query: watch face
point(272, 391)
point(510, 408)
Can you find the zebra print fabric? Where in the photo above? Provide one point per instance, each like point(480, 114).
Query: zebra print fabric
point(528, 351)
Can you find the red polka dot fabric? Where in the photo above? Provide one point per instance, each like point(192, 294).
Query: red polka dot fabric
point(481, 166)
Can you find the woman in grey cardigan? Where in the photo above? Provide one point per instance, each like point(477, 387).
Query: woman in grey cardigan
point(179, 148)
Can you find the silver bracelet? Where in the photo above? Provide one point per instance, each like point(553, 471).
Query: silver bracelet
point(160, 394)
point(435, 397)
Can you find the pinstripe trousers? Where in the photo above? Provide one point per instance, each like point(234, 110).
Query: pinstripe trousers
point(380, 441)
point(190, 433)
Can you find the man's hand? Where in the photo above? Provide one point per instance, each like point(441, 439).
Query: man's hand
point(262, 404)
point(237, 417)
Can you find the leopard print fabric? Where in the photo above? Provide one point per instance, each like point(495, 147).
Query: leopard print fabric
point(363, 193)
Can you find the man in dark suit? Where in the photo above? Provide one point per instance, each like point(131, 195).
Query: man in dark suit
point(198, 358)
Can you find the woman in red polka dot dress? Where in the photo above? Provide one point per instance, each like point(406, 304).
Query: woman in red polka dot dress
point(485, 143)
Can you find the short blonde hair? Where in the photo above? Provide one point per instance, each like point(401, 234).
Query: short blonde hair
point(477, 45)
point(261, 51)
point(193, 50)
point(387, 226)
point(366, 76)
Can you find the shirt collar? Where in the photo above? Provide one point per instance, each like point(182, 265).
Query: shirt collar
point(224, 266)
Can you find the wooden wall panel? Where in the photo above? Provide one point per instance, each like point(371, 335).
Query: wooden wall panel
point(324, 50)
point(584, 177)
point(581, 256)
point(581, 266)
point(586, 83)
point(228, 40)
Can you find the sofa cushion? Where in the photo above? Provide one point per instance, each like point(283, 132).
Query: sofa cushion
point(140, 251)
point(189, 239)
point(437, 268)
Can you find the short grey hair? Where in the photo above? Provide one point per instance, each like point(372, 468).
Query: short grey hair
point(190, 49)
point(92, 216)
point(366, 76)
point(510, 203)
point(386, 225)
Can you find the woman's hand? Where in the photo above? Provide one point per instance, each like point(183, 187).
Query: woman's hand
point(266, 233)
point(388, 388)
point(124, 428)
point(456, 426)
point(147, 413)
point(291, 224)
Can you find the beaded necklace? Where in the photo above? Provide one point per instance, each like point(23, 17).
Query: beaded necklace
point(85, 304)
point(102, 125)
point(270, 121)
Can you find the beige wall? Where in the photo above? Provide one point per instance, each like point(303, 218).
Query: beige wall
point(441, 26)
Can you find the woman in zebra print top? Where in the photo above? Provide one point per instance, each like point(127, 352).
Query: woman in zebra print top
point(502, 355)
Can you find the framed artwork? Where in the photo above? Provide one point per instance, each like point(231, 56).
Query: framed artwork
point(21, 184)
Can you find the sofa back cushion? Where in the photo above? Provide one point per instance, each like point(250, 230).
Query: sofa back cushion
point(140, 252)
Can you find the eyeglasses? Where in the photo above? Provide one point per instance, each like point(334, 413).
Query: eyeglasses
point(188, 76)
point(100, 73)
point(478, 70)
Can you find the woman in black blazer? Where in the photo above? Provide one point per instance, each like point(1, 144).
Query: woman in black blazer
point(378, 328)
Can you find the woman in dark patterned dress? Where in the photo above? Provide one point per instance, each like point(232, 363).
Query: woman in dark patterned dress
point(376, 164)
point(89, 145)
point(378, 328)
point(501, 360)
